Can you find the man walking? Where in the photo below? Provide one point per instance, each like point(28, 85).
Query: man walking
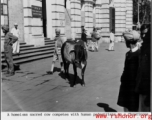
point(112, 38)
point(57, 52)
point(9, 40)
point(84, 37)
point(16, 46)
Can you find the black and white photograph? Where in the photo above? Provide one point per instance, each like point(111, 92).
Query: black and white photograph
point(75, 56)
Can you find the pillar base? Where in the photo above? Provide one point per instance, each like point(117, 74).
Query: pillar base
point(2, 44)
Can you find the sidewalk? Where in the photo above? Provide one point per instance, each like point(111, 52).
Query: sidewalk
point(31, 89)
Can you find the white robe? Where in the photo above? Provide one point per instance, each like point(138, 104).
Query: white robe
point(112, 38)
point(16, 45)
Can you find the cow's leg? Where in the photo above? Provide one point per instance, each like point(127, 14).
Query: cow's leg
point(75, 74)
point(82, 73)
point(67, 66)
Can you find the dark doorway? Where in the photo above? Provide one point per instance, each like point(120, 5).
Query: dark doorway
point(44, 18)
point(112, 19)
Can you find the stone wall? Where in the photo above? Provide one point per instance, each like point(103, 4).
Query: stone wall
point(16, 16)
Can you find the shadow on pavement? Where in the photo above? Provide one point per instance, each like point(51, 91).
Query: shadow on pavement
point(56, 69)
point(16, 67)
point(106, 107)
point(71, 78)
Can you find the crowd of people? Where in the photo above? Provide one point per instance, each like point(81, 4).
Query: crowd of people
point(96, 39)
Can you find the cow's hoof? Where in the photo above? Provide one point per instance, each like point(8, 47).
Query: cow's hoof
point(73, 86)
point(83, 85)
point(49, 72)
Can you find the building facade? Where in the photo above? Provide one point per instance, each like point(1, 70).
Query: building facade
point(38, 19)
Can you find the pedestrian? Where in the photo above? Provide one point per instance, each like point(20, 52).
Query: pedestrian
point(8, 50)
point(84, 37)
point(57, 52)
point(143, 77)
point(16, 46)
point(112, 38)
point(100, 35)
point(127, 97)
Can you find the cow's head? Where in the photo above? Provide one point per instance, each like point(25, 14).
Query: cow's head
point(80, 54)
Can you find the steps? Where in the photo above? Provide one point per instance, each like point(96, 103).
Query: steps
point(30, 53)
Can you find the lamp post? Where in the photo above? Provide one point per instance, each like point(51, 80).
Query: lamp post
point(138, 23)
point(138, 11)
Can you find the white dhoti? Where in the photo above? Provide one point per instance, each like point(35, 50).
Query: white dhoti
point(111, 46)
point(16, 47)
point(93, 46)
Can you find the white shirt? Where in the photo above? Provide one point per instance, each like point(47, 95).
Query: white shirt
point(112, 36)
point(15, 32)
point(134, 49)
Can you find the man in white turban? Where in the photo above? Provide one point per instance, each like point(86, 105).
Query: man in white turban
point(57, 52)
point(16, 46)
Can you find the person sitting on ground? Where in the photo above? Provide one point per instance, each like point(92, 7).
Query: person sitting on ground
point(57, 52)
point(128, 98)
point(93, 43)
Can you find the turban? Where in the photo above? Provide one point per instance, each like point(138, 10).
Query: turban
point(15, 24)
point(131, 35)
point(57, 30)
point(5, 27)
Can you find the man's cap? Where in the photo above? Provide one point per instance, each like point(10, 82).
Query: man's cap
point(131, 36)
point(15, 24)
point(57, 30)
point(5, 27)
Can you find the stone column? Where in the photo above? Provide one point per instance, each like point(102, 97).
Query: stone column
point(33, 27)
point(98, 15)
point(105, 18)
point(4, 20)
point(89, 14)
point(76, 18)
point(120, 18)
point(16, 16)
point(129, 14)
point(27, 21)
point(49, 19)
point(58, 16)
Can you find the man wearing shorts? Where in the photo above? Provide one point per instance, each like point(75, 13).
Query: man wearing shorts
point(57, 52)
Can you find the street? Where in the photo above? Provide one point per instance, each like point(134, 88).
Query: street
point(31, 89)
